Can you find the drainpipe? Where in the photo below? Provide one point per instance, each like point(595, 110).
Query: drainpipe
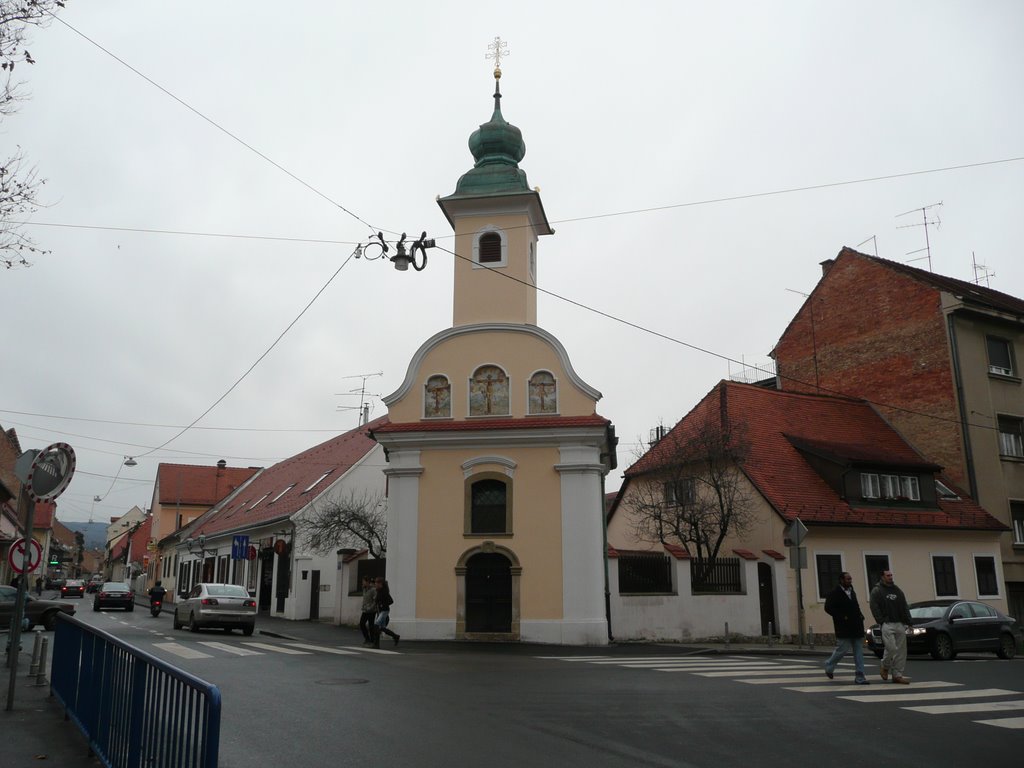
point(958, 381)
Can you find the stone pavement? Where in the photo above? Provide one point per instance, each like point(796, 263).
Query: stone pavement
point(35, 731)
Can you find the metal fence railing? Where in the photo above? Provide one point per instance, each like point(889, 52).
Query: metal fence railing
point(718, 576)
point(645, 573)
point(134, 709)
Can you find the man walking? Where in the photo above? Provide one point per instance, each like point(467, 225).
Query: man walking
point(369, 611)
point(848, 621)
point(889, 607)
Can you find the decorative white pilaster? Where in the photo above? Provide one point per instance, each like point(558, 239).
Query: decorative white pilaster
point(403, 475)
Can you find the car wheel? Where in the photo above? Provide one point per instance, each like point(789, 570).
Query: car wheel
point(192, 625)
point(130, 607)
point(177, 624)
point(1007, 647)
point(227, 630)
point(942, 647)
point(247, 631)
point(95, 606)
point(49, 620)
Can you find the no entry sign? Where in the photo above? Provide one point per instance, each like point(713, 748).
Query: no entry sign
point(16, 555)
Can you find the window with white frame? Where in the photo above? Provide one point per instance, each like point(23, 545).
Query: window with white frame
point(888, 486)
point(1011, 436)
point(490, 248)
point(869, 486)
point(829, 566)
point(874, 567)
point(1017, 518)
point(944, 569)
point(1000, 356)
point(985, 570)
point(680, 492)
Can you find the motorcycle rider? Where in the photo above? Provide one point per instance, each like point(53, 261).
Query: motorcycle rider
point(156, 594)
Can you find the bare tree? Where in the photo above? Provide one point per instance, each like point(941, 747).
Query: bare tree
point(693, 493)
point(356, 520)
point(19, 184)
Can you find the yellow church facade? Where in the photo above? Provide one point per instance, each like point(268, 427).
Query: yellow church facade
point(496, 454)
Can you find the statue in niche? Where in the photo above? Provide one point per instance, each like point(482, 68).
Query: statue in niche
point(543, 393)
point(488, 392)
point(437, 400)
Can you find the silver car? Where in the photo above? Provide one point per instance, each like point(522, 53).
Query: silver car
point(225, 606)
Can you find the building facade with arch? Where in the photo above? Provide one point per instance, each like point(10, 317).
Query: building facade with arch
point(496, 454)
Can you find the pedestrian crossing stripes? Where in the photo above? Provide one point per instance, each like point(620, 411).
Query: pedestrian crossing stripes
point(208, 649)
point(806, 676)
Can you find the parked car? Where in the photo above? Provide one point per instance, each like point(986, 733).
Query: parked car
point(54, 581)
point(73, 588)
point(94, 584)
point(227, 606)
point(114, 594)
point(43, 612)
point(945, 628)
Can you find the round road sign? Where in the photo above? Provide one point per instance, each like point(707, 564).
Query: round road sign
point(16, 555)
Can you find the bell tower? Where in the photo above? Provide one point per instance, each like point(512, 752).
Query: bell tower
point(497, 221)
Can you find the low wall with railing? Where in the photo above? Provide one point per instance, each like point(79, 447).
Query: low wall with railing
point(133, 708)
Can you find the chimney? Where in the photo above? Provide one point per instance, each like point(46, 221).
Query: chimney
point(826, 265)
point(221, 464)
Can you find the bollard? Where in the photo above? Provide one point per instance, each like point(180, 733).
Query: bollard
point(810, 637)
point(771, 640)
point(41, 675)
point(33, 668)
point(727, 634)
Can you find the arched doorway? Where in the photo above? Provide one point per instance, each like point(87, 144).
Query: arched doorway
point(488, 594)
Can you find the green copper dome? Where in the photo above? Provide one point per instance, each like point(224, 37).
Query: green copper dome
point(497, 148)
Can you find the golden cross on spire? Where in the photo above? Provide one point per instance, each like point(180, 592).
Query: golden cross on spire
point(497, 49)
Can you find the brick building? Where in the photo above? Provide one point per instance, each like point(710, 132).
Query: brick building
point(938, 358)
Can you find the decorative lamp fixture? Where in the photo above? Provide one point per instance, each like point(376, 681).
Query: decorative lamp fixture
point(401, 259)
point(130, 461)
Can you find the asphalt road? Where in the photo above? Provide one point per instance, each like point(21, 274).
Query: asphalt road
point(325, 699)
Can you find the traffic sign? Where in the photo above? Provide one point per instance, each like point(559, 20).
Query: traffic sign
point(16, 555)
point(46, 473)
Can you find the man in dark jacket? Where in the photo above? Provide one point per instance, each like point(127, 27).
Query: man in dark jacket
point(369, 610)
point(889, 607)
point(841, 604)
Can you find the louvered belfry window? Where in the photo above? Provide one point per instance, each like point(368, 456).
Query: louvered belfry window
point(490, 248)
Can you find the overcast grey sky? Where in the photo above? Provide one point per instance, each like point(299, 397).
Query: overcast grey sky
point(123, 335)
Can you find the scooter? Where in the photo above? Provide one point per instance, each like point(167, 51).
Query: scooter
point(154, 606)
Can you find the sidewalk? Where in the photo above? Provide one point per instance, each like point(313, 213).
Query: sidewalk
point(36, 729)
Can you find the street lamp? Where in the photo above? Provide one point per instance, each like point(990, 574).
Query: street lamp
point(401, 259)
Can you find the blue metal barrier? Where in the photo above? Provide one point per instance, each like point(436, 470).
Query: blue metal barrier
point(134, 709)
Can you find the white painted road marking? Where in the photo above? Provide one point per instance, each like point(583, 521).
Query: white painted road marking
point(978, 694)
point(886, 690)
point(323, 649)
point(180, 650)
point(278, 649)
point(230, 648)
point(986, 706)
point(1016, 723)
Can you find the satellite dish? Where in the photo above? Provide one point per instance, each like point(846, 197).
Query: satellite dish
point(46, 473)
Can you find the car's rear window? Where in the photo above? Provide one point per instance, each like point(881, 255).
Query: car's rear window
point(115, 586)
point(927, 611)
point(227, 590)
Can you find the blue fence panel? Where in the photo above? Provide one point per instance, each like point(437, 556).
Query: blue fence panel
point(135, 709)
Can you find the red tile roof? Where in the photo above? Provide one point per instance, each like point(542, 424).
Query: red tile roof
point(280, 491)
point(199, 485)
point(775, 422)
point(970, 292)
point(531, 422)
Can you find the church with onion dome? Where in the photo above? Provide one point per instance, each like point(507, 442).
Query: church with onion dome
point(496, 455)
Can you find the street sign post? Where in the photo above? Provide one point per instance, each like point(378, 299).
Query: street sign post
point(793, 537)
point(44, 476)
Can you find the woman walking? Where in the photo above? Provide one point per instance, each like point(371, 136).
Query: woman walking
point(380, 624)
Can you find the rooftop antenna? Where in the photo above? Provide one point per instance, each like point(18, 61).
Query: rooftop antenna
point(981, 272)
point(874, 241)
point(925, 222)
point(363, 407)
